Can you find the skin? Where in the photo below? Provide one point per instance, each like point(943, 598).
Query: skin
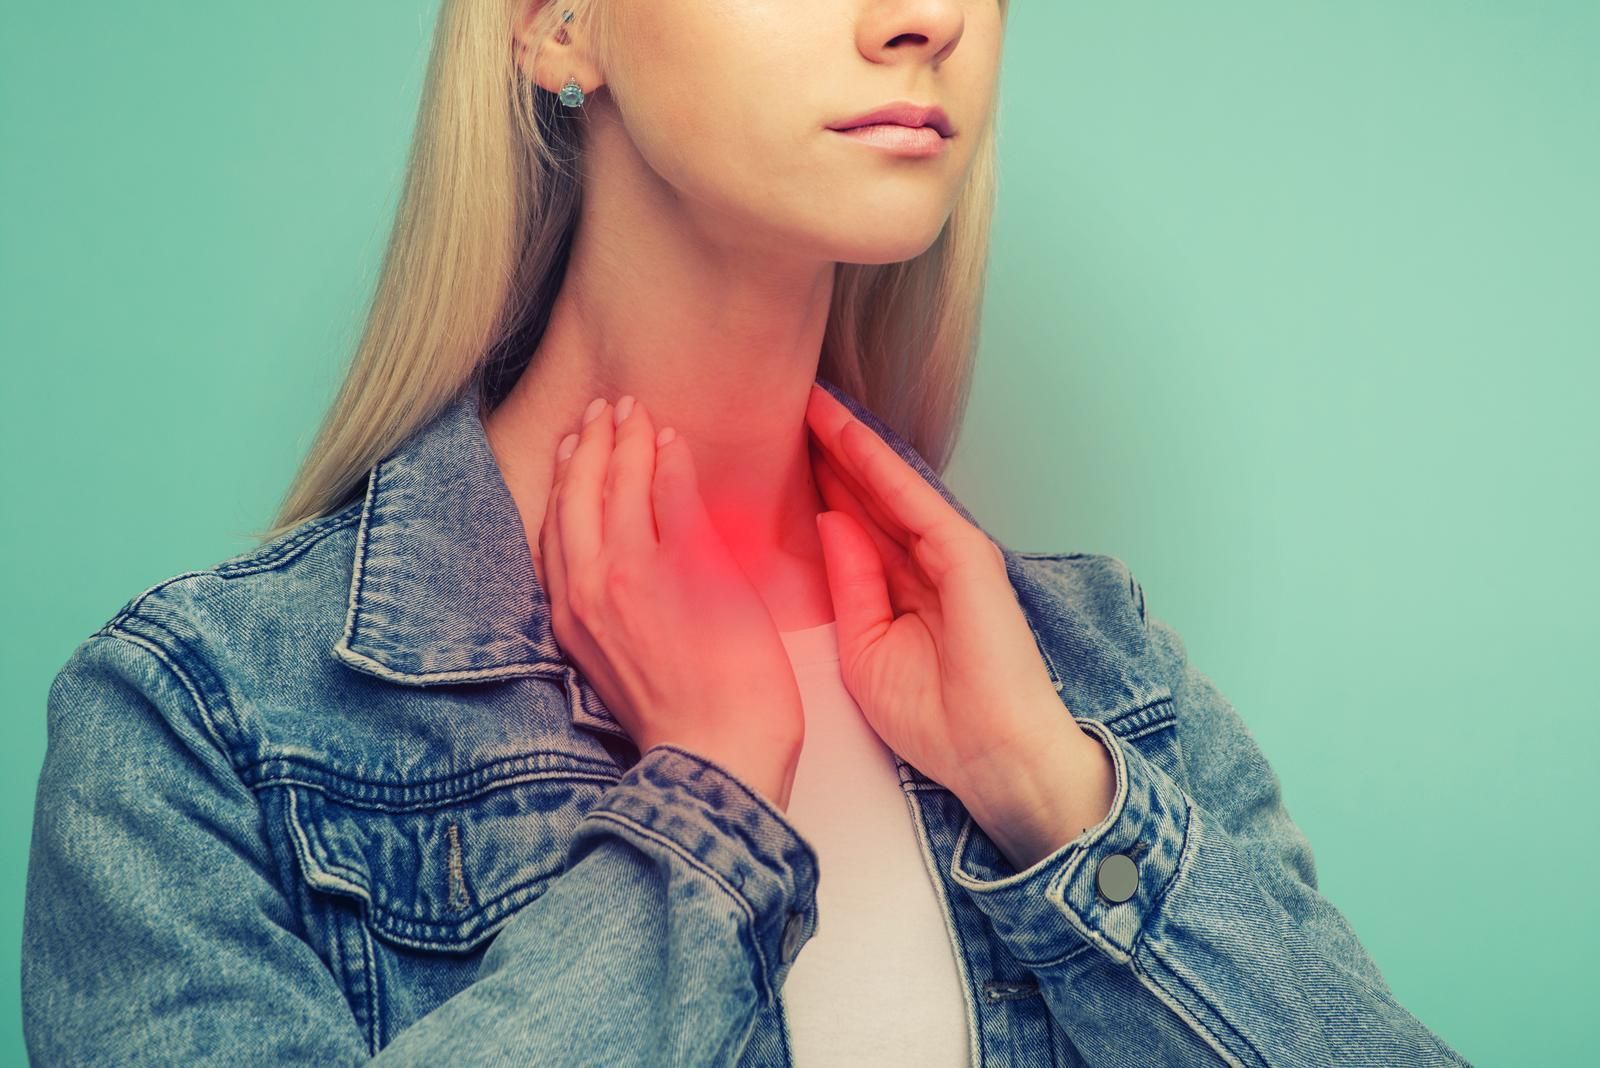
point(716, 204)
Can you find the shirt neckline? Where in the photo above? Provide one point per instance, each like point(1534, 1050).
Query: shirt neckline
point(813, 645)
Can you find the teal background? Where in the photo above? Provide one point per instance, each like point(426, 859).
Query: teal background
point(1292, 307)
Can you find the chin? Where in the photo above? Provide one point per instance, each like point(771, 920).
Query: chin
point(880, 244)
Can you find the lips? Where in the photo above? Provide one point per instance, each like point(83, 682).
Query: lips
point(902, 113)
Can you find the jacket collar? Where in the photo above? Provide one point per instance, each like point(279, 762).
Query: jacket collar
point(442, 588)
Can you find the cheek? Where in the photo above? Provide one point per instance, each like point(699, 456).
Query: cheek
point(686, 89)
point(749, 129)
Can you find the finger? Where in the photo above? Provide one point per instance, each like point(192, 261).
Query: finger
point(909, 585)
point(629, 521)
point(901, 492)
point(855, 581)
point(581, 504)
point(550, 560)
point(675, 493)
point(880, 518)
point(836, 485)
point(842, 497)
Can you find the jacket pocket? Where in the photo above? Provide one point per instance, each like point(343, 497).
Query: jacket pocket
point(1153, 730)
point(440, 865)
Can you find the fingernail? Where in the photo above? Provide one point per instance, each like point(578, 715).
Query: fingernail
point(568, 446)
point(624, 406)
point(666, 435)
point(593, 410)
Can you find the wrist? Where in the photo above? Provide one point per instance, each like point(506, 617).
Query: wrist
point(1053, 795)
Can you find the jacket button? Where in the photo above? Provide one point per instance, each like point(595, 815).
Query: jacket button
point(1117, 878)
point(791, 936)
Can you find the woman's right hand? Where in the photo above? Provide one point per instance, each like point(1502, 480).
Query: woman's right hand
point(647, 601)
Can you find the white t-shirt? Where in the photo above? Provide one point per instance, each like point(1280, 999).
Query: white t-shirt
point(877, 983)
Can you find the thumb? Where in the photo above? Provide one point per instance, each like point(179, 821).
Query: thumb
point(675, 491)
point(855, 579)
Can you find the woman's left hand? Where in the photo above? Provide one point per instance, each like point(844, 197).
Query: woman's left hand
point(932, 643)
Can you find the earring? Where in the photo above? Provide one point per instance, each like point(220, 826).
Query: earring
point(572, 92)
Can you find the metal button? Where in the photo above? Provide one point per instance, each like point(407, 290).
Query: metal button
point(1117, 878)
point(791, 935)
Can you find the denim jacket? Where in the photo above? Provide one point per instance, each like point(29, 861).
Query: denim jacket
point(341, 798)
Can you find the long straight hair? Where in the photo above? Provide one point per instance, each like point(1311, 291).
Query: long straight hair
point(479, 248)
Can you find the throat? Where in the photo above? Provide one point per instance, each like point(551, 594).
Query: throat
point(798, 598)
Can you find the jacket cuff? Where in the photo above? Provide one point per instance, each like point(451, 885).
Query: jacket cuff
point(1059, 905)
point(680, 800)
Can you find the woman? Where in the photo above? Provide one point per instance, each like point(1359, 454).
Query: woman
point(526, 738)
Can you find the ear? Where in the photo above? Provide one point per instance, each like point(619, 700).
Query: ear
point(549, 50)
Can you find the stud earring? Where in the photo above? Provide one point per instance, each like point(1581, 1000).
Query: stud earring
point(572, 92)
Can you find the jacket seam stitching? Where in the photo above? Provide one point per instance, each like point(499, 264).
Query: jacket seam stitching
point(1165, 997)
point(484, 907)
point(201, 709)
point(1182, 981)
point(462, 786)
point(133, 606)
point(269, 559)
point(952, 928)
point(1185, 856)
point(416, 932)
point(358, 568)
point(1158, 903)
point(1153, 707)
point(374, 1006)
point(208, 714)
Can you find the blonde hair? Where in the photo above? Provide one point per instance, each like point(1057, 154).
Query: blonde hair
point(479, 247)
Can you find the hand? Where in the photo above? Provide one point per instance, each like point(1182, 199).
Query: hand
point(932, 643)
point(649, 604)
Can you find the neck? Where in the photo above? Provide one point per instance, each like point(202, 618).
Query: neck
point(717, 346)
